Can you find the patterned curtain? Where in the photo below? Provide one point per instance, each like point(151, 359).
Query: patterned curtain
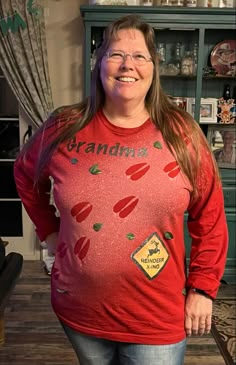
point(23, 57)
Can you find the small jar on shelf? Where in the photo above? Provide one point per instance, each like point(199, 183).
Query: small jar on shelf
point(207, 3)
point(226, 3)
point(190, 3)
point(161, 51)
point(166, 2)
point(177, 2)
point(195, 58)
point(226, 92)
point(147, 2)
point(174, 65)
point(187, 64)
point(93, 56)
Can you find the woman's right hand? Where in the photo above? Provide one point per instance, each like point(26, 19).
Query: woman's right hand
point(51, 242)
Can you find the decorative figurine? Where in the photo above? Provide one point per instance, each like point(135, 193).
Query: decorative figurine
point(225, 115)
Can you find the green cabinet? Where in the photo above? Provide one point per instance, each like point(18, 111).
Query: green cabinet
point(202, 28)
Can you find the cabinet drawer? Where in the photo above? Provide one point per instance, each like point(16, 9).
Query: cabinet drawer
point(229, 196)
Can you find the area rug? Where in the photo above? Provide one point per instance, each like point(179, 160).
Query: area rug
point(224, 328)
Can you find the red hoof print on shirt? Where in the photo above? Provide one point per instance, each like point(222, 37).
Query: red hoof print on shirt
point(125, 206)
point(81, 211)
point(172, 169)
point(62, 248)
point(137, 171)
point(81, 247)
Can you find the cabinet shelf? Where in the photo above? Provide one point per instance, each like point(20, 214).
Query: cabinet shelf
point(178, 77)
point(210, 77)
point(219, 77)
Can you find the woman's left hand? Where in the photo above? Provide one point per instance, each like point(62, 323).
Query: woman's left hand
point(198, 314)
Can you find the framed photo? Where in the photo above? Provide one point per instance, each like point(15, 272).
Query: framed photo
point(222, 139)
point(208, 109)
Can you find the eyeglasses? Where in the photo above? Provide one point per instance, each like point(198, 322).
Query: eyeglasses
point(138, 58)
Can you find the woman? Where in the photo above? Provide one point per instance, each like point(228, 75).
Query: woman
point(226, 154)
point(126, 164)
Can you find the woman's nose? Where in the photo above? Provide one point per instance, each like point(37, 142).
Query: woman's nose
point(127, 62)
point(127, 56)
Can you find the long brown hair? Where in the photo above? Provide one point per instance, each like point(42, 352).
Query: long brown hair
point(175, 124)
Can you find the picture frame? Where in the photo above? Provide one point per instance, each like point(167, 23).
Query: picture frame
point(222, 140)
point(208, 109)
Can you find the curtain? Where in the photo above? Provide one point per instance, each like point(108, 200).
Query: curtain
point(23, 57)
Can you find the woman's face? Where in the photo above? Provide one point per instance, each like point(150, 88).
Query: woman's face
point(228, 138)
point(123, 81)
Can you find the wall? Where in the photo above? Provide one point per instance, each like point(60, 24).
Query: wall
point(65, 32)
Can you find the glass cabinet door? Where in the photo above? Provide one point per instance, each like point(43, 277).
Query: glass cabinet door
point(218, 94)
point(178, 63)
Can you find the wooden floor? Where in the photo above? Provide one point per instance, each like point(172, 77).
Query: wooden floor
point(34, 336)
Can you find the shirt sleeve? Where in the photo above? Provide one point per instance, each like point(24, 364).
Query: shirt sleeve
point(35, 196)
point(208, 230)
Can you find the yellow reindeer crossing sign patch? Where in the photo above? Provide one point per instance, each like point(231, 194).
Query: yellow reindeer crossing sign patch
point(151, 256)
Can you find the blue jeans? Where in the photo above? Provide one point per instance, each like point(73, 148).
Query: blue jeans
point(97, 351)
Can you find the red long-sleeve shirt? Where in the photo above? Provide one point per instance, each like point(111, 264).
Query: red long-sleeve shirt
point(119, 270)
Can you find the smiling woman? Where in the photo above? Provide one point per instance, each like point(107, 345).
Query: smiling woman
point(126, 165)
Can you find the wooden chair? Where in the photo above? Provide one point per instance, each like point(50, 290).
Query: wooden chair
point(10, 269)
